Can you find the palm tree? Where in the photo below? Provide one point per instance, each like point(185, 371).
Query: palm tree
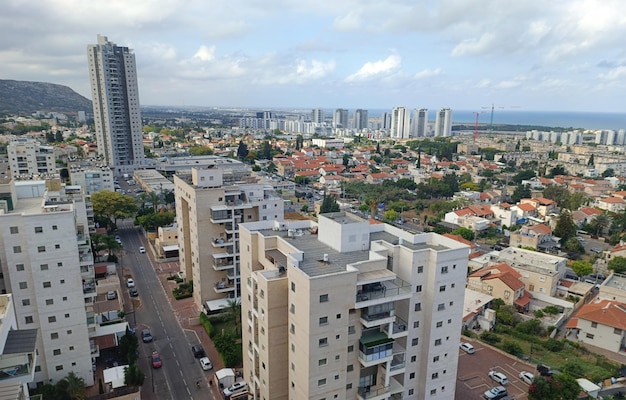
point(74, 386)
point(600, 223)
point(234, 314)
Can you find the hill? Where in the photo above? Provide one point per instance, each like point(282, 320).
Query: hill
point(28, 97)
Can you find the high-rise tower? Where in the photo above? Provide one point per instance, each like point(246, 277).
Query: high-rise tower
point(360, 120)
point(340, 118)
point(399, 123)
point(420, 122)
point(115, 96)
point(443, 122)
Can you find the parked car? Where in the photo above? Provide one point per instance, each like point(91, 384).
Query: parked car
point(205, 363)
point(142, 250)
point(156, 360)
point(133, 292)
point(237, 387)
point(596, 250)
point(495, 393)
point(499, 377)
point(111, 295)
point(118, 239)
point(130, 283)
point(198, 351)
point(467, 347)
point(526, 377)
point(146, 336)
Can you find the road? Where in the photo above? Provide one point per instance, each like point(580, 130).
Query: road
point(181, 372)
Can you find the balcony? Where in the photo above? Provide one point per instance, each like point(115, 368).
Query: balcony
point(222, 242)
point(224, 286)
point(382, 314)
point(380, 392)
point(223, 264)
point(399, 328)
point(89, 286)
point(382, 292)
point(375, 348)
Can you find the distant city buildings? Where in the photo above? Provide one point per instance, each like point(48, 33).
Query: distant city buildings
point(318, 116)
point(340, 118)
point(361, 120)
point(29, 158)
point(443, 123)
point(419, 125)
point(400, 123)
point(115, 95)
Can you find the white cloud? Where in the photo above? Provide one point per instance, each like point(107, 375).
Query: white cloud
point(614, 74)
point(205, 53)
point(378, 68)
point(473, 47)
point(428, 73)
point(348, 22)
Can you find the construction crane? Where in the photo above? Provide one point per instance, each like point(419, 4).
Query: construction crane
point(491, 118)
point(477, 113)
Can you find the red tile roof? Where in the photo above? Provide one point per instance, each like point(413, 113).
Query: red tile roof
point(605, 312)
point(526, 207)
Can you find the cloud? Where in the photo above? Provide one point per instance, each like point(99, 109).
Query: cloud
point(473, 47)
point(272, 71)
point(348, 22)
point(205, 53)
point(428, 73)
point(372, 69)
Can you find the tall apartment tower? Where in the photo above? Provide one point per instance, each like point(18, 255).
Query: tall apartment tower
point(46, 258)
point(419, 127)
point(28, 157)
point(348, 310)
point(385, 120)
point(340, 118)
point(443, 122)
point(318, 116)
point(209, 208)
point(400, 123)
point(116, 111)
point(361, 120)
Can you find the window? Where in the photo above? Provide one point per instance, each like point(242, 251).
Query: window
point(451, 303)
point(336, 378)
point(47, 284)
point(413, 359)
point(323, 342)
point(293, 328)
point(62, 281)
point(57, 246)
point(59, 368)
point(350, 368)
point(23, 285)
point(64, 298)
point(350, 349)
point(433, 392)
point(52, 319)
point(54, 227)
point(292, 308)
point(507, 294)
point(59, 264)
point(418, 306)
point(14, 230)
point(49, 302)
point(416, 324)
point(420, 269)
point(323, 320)
point(17, 249)
point(438, 342)
point(412, 375)
point(444, 270)
point(589, 336)
point(338, 316)
point(348, 386)
point(321, 382)
point(434, 375)
point(442, 288)
point(337, 337)
point(26, 302)
point(594, 324)
point(617, 331)
point(411, 391)
point(44, 267)
point(441, 306)
point(56, 352)
point(38, 229)
point(418, 288)
point(453, 285)
point(351, 330)
point(69, 332)
point(293, 287)
point(435, 359)
point(41, 249)
point(337, 357)
point(19, 267)
point(321, 362)
point(323, 298)
point(54, 335)
point(414, 341)
point(439, 324)
point(28, 319)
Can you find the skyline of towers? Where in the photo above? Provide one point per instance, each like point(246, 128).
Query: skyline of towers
point(400, 123)
point(443, 122)
point(340, 118)
point(361, 120)
point(419, 125)
point(115, 95)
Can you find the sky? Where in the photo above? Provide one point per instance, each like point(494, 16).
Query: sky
point(558, 55)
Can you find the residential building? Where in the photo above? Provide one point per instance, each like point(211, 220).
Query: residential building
point(540, 272)
point(28, 158)
point(92, 178)
point(536, 236)
point(361, 120)
point(505, 213)
point(613, 288)
point(612, 204)
point(443, 122)
point(350, 310)
point(47, 265)
point(340, 118)
point(115, 96)
point(210, 205)
point(602, 323)
point(419, 127)
point(318, 116)
point(400, 123)
point(500, 281)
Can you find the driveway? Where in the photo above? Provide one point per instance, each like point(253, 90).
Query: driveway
point(473, 380)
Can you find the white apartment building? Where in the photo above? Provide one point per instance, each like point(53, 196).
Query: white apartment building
point(540, 272)
point(419, 127)
point(115, 95)
point(28, 158)
point(443, 122)
point(46, 259)
point(209, 208)
point(340, 118)
point(92, 178)
point(361, 120)
point(346, 309)
point(400, 123)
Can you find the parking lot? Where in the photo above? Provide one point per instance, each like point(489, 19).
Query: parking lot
point(473, 380)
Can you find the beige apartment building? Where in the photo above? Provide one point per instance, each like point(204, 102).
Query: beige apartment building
point(345, 309)
point(209, 208)
point(540, 272)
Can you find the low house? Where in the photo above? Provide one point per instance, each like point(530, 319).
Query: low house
point(536, 236)
point(602, 323)
point(613, 204)
point(499, 280)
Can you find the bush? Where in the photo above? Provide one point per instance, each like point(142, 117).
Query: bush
point(553, 345)
point(538, 314)
point(206, 324)
point(183, 291)
point(469, 333)
point(511, 347)
point(552, 310)
point(490, 338)
point(231, 352)
point(532, 327)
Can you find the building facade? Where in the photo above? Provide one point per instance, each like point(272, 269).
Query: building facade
point(400, 123)
point(209, 208)
point(361, 120)
point(28, 158)
point(443, 122)
point(115, 96)
point(350, 310)
point(340, 118)
point(419, 127)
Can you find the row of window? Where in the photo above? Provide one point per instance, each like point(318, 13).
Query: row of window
point(43, 267)
point(38, 229)
point(51, 319)
point(40, 249)
point(47, 284)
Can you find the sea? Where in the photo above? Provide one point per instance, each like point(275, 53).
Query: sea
point(552, 119)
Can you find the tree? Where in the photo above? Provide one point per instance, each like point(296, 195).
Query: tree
point(73, 386)
point(299, 142)
point(556, 387)
point(523, 176)
point(151, 222)
point(520, 192)
point(329, 205)
point(560, 194)
point(565, 227)
point(266, 151)
point(390, 215)
point(133, 376)
point(617, 264)
point(129, 345)
point(600, 223)
point(111, 206)
point(242, 150)
point(573, 245)
point(200, 151)
point(58, 137)
point(233, 311)
point(466, 233)
point(608, 173)
point(582, 268)
point(558, 170)
point(591, 161)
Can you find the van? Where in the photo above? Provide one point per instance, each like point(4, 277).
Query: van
point(468, 348)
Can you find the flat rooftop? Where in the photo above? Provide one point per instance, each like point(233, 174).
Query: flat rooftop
point(617, 281)
point(393, 239)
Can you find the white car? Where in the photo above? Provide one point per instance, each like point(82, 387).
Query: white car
point(468, 348)
point(499, 377)
point(111, 295)
point(526, 377)
point(142, 249)
point(205, 363)
point(237, 387)
point(130, 283)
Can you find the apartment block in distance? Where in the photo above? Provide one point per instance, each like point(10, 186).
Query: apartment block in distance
point(46, 261)
point(345, 309)
point(28, 158)
point(209, 208)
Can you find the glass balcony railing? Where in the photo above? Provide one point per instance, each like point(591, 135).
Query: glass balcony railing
point(383, 290)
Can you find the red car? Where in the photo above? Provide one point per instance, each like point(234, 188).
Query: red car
point(156, 360)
